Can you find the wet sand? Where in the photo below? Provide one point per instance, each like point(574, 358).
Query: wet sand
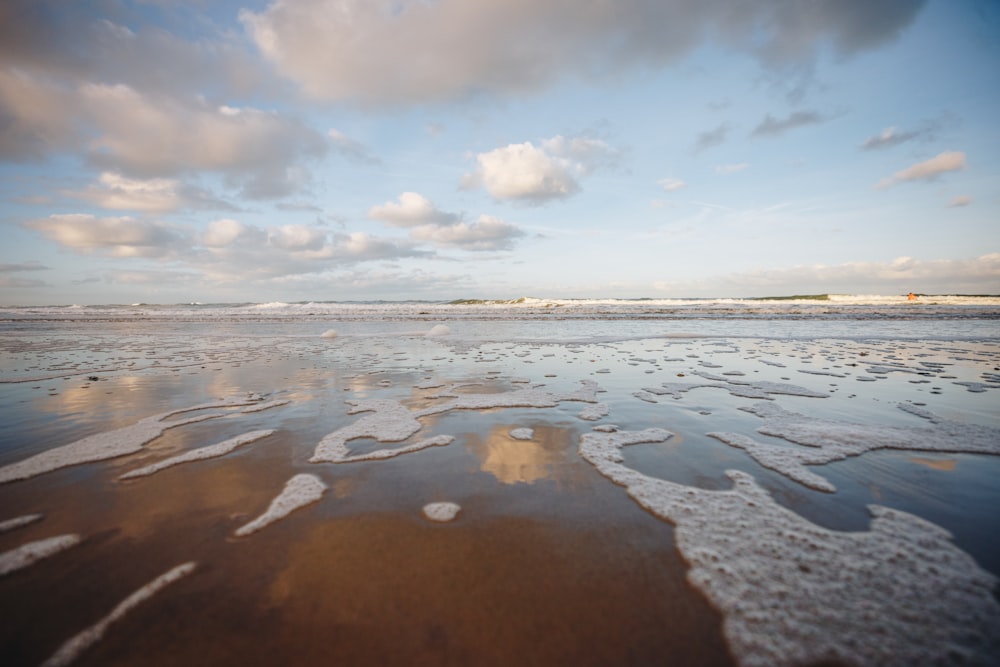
point(548, 561)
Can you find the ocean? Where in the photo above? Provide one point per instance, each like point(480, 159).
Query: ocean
point(795, 480)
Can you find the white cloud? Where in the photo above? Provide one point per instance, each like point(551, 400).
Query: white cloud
point(152, 195)
point(428, 224)
point(725, 169)
point(143, 136)
point(117, 237)
point(487, 233)
point(959, 200)
point(365, 49)
point(926, 170)
point(672, 184)
point(523, 172)
point(297, 238)
point(221, 233)
point(412, 209)
point(537, 174)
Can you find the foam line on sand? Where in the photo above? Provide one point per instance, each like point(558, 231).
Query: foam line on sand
point(110, 444)
point(212, 451)
point(299, 491)
point(32, 552)
point(75, 646)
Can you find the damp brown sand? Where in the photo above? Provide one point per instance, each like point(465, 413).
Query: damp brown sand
point(564, 570)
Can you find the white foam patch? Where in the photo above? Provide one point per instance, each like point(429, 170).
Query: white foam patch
point(794, 593)
point(826, 440)
point(594, 412)
point(32, 552)
point(521, 398)
point(391, 421)
point(110, 444)
point(329, 333)
point(438, 330)
point(299, 491)
point(75, 646)
point(212, 451)
point(381, 454)
point(18, 521)
point(643, 395)
point(441, 512)
point(523, 433)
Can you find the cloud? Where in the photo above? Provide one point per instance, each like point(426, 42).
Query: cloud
point(411, 210)
point(710, 138)
point(773, 127)
point(487, 233)
point(429, 224)
point(672, 184)
point(959, 200)
point(350, 148)
point(225, 232)
point(893, 136)
point(887, 138)
point(154, 195)
point(539, 174)
point(364, 50)
point(927, 170)
point(88, 40)
point(902, 274)
point(230, 251)
point(145, 136)
point(18, 282)
point(115, 237)
point(7, 280)
point(22, 266)
point(726, 169)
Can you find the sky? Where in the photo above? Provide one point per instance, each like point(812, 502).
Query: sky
point(306, 150)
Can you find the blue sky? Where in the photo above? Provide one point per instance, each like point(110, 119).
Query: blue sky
point(207, 151)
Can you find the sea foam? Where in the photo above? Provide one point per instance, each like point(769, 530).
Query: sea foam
point(794, 593)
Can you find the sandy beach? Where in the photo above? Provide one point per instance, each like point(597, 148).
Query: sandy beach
point(463, 491)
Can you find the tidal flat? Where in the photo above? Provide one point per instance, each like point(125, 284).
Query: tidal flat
point(599, 493)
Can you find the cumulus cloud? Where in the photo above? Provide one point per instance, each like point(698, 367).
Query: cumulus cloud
point(672, 184)
point(773, 127)
point(487, 233)
point(230, 251)
point(927, 170)
point(144, 136)
point(152, 195)
point(363, 49)
point(726, 169)
point(411, 209)
point(116, 237)
point(73, 40)
point(538, 174)
point(429, 224)
point(225, 232)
